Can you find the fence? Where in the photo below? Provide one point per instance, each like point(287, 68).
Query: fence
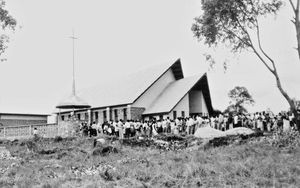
point(26, 131)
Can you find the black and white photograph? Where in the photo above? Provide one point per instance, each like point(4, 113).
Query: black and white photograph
point(149, 93)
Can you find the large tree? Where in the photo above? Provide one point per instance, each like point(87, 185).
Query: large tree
point(239, 97)
point(236, 23)
point(7, 22)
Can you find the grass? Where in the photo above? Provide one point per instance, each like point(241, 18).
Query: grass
point(70, 163)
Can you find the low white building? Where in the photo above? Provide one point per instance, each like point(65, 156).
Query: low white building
point(14, 119)
point(159, 92)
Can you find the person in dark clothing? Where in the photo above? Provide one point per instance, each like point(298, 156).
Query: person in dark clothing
point(85, 129)
point(230, 121)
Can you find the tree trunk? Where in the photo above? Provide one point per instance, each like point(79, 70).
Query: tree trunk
point(289, 100)
point(297, 27)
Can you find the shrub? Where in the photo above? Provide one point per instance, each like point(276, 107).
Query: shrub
point(286, 139)
point(58, 139)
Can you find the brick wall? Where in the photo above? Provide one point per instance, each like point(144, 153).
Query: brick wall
point(112, 110)
point(136, 113)
point(12, 122)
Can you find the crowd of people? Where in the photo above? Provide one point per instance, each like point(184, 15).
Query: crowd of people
point(264, 121)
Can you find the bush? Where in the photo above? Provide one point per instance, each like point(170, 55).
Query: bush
point(286, 139)
point(58, 139)
point(104, 150)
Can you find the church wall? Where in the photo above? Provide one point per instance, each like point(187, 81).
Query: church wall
point(114, 114)
point(182, 106)
point(136, 113)
point(197, 102)
point(153, 92)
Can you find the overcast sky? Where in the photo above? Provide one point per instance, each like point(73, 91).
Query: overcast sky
point(117, 37)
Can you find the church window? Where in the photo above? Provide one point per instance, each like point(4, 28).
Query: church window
point(174, 114)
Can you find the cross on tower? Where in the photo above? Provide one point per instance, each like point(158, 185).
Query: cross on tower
point(73, 40)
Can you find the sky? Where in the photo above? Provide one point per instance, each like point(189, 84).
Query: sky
point(117, 37)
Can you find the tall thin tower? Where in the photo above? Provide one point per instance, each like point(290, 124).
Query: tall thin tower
point(73, 101)
point(73, 42)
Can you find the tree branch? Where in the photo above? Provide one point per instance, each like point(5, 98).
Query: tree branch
point(255, 51)
point(296, 23)
point(233, 33)
point(262, 60)
point(293, 6)
point(260, 46)
point(245, 31)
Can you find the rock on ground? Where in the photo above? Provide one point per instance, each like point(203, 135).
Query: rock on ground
point(239, 131)
point(208, 132)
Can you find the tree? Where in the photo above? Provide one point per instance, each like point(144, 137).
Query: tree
point(7, 22)
point(297, 103)
point(239, 97)
point(236, 23)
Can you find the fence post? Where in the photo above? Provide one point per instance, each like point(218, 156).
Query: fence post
point(4, 132)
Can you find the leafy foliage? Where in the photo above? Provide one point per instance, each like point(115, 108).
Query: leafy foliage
point(232, 22)
point(6, 22)
point(227, 21)
point(290, 139)
point(239, 96)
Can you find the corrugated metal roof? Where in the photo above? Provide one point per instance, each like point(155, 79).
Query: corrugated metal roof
point(172, 94)
point(125, 90)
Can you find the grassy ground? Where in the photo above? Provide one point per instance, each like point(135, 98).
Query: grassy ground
point(76, 163)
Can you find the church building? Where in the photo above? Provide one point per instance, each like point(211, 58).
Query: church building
point(158, 92)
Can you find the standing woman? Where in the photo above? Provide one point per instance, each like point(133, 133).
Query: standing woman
point(260, 123)
point(148, 128)
point(286, 124)
point(121, 129)
point(154, 130)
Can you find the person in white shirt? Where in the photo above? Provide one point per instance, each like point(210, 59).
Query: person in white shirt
point(99, 128)
point(199, 122)
point(127, 129)
point(168, 125)
point(190, 123)
point(164, 125)
point(174, 128)
point(235, 120)
point(260, 123)
point(212, 122)
point(144, 127)
point(220, 121)
point(120, 129)
point(286, 124)
point(154, 129)
point(35, 132)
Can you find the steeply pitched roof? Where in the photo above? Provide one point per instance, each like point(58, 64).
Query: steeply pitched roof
point(73, 102)
point(127, 89)
point(174, 92)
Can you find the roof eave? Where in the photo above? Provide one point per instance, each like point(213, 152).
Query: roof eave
point(177, 64)
point(209, 106)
